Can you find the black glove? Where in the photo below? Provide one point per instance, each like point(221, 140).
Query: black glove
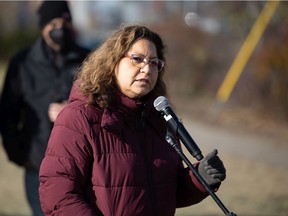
point(211, 169)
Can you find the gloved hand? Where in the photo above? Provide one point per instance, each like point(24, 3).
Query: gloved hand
point(211, 169)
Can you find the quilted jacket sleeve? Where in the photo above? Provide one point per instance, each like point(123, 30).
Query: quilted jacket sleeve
point(65, 170)
point(189, 191)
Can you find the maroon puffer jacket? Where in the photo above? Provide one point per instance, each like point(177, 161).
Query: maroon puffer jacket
point(113, 162)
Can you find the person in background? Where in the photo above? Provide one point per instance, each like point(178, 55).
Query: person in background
point(36, 88)
point(107, 153)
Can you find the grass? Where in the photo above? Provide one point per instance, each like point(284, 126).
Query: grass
point(251, 189)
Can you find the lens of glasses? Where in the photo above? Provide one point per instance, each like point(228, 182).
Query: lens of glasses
point(139, 61)
point(160, 65)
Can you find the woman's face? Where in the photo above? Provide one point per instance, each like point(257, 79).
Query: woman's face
point(132, 80)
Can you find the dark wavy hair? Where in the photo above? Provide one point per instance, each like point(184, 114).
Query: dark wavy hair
point(96, 78)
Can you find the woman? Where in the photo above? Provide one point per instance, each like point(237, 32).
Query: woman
point(107, 153)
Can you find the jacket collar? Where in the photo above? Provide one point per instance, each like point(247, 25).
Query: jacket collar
point(124, 109)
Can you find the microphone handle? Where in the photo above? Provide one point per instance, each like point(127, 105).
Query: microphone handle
point(179, 130)
point(188, 141)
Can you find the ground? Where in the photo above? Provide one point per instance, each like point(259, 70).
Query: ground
point(254, 151)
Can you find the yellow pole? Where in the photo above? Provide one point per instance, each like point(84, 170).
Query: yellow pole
point(246, 50)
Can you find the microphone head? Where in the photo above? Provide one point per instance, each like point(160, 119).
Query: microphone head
point(161, 103)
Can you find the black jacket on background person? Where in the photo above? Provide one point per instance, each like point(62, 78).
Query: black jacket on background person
point(35, 78)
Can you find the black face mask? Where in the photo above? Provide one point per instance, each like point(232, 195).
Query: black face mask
point(62, 36)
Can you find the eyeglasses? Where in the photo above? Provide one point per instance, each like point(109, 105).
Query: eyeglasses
point(141, 61)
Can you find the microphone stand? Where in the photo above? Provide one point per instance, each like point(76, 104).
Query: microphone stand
point(171, 140)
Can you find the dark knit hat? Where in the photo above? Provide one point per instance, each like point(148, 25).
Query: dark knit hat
point(49, 10)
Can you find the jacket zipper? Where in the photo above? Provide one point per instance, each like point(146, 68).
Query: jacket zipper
point(147, 164)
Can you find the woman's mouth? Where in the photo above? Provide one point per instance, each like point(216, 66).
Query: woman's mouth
point(146, 81)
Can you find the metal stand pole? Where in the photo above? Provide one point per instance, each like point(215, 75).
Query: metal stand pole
point(170, 139)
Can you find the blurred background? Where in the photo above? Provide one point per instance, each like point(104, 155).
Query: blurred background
point(204, 40)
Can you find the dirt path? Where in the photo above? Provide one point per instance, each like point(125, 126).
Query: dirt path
point(256, 174)
point(268, 149)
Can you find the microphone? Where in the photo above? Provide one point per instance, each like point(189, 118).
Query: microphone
point(162, 105)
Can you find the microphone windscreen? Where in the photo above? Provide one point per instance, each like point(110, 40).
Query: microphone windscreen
point(161, 103)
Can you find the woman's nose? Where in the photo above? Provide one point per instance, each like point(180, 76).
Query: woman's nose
point(146, 68)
